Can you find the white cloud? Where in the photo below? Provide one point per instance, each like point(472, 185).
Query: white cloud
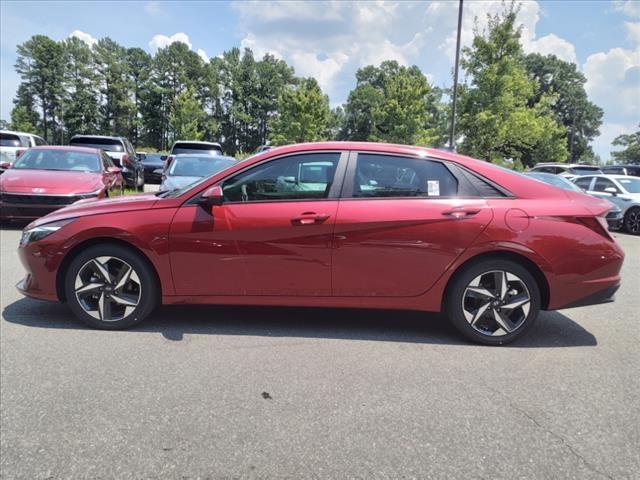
point(85, 37)
point(613, 81)
point(203, 55)
point(160, 41)
point(630, 8)
point(633, 32)
point(475, 17)
point(608, 131)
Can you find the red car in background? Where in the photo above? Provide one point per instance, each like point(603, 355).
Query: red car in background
point(336, 224)
point(45, 179)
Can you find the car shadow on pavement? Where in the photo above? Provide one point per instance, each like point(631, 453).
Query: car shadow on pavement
point(552, 330)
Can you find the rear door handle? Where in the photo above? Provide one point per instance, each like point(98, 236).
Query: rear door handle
point(310, 218)
point(461, 212)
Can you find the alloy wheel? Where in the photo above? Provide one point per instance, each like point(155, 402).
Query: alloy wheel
point(496, 303)
point(632, 222)
point(108, 288)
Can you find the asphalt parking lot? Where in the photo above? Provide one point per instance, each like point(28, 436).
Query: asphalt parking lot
point(269, 393)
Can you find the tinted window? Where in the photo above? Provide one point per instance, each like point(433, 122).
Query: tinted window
point(198, 166)
point(106, 161)
point(603, 183)
point(297, 177)
point(185, 147)
point(11, 140)
point(391, 176)
point(39, 141)
point(58, 160)
point(613, 170)
point(107, 144)
point(583, 182)
point(584, 170)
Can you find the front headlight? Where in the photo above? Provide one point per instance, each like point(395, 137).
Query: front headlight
point(30, 235)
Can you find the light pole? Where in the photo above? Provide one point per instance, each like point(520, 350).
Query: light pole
point(452, 130)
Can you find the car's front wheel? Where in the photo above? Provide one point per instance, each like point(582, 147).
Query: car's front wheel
point(493, 302)
point(632, 221)
point(110, 287)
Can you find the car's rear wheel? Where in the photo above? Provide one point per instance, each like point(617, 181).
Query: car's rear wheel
point(110, 287)
point(632, 221)
point(493, 302)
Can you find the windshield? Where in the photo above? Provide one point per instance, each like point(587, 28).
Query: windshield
point(107, 144)
point(185, 166)
point(631, 185)
point(58, 160)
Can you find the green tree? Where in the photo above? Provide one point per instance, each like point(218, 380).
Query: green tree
point(186, 113)
point(390, 103)
point(115, 87)
point(40, 64)
point(303, 114)
point(139, 70)
point(631, 151)
point(26, 102)
point(81, 90)
point(571, 106)
point(20, 120)
point(498, 120)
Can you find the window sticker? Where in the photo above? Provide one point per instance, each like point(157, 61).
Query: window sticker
point(433, 188)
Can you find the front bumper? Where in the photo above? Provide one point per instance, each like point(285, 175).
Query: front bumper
point(615, 219)
point(26, 206)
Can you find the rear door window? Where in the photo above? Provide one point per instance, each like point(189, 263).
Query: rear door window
point(387, 176)
point(583, 182)
point(603, 183)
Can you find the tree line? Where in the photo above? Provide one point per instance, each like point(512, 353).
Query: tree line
point(513, 108)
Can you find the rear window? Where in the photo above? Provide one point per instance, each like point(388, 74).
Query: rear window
point(585, 170)
point(107, 144)
point(186, 147)
point(11, 140)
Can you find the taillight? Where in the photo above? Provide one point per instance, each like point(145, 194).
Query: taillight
point(125, 160)
point(596, 224)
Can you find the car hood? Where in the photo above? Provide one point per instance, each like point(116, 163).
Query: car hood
point(49, 182)
point(90, 206)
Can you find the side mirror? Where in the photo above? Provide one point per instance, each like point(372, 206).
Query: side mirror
point(164, 158)
point(612, 190)
point(212, 196)
point(5, 165)
point(114, 170)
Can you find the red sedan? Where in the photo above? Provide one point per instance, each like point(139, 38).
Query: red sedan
point(47, 178)
point(334, 224)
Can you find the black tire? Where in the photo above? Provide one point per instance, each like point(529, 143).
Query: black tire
point(146, 294)
point(456, 298)
point(632, 221)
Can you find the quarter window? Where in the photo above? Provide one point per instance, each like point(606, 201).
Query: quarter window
point(297, 177)
point(395, 176)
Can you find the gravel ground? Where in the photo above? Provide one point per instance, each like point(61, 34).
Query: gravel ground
point(270, 393)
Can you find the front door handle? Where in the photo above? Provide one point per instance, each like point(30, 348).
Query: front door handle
point(310, 218)
point(461, 212)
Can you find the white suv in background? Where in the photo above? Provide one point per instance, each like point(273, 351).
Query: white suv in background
point(13, 144)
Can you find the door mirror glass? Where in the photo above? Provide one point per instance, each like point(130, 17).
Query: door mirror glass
point(212, 196)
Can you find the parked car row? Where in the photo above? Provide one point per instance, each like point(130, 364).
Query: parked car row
point(39, 179)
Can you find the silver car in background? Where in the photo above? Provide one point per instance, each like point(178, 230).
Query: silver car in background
point(186, 169)
point(622, 190)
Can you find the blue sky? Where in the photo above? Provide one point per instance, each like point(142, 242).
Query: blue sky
point(331, 40)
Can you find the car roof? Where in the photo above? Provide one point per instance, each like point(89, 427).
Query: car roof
point(199, 142)
point(13, 132)
point(67, 148)
point(204, 155)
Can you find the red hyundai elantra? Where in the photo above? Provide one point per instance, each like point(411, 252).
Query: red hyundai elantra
point(334, 224)
point(46, 178)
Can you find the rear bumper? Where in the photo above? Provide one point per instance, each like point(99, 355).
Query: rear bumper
point(606, 295)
